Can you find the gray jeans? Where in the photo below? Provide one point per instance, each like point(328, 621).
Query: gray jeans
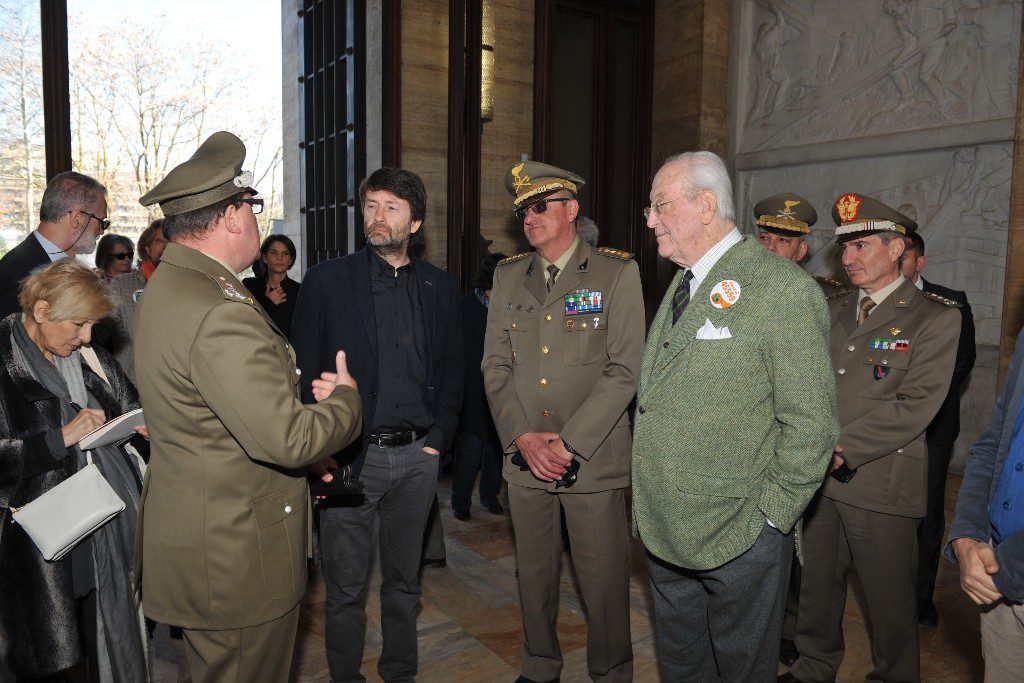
point(723, 624)
point(399, 486)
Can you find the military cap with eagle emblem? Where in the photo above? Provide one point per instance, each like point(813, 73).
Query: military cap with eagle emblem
point(786, 214)
point(528, 179)
point(212, 174)
point(857, 215)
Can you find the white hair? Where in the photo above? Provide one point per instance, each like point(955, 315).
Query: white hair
point(707, 171)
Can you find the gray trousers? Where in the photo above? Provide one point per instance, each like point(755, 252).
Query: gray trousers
point(723, 624)
point(399, 486)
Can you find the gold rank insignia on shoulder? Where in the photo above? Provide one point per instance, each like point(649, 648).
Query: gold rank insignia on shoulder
point(942, 300)
point(232, 294)
point(614, 253)
point(513, 259)
point(829, 281)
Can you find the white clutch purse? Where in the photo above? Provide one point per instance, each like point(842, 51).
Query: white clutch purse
point(60, 518)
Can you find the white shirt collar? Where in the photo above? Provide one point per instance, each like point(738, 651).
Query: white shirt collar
point(705, 263)
point(920, 282)
point(54, 252)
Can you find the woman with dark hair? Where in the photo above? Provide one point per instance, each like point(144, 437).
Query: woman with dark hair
point(275, 291)
point(478, 444)
point(114, 255)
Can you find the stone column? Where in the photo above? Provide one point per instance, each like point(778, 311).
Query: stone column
point(1013, 285)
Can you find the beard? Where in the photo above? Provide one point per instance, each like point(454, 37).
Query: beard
point(86, 244)
point(393, 241)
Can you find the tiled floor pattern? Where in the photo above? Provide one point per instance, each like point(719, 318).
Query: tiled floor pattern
point(470, 630)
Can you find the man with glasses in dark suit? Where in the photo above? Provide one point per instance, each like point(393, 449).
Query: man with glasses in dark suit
point(72, 215)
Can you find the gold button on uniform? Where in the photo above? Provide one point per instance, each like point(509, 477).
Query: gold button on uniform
point(545, 349)
point(543, 382)
point(547, 413)
point(514, 326)
point(841, 371)
point(547, 317)
point(851, 347)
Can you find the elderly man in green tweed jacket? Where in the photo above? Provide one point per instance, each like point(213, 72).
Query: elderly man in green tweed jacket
point(735, 427)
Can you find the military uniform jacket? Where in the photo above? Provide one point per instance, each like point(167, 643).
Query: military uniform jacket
point(892, 374)
point(571, 373)
point(223, 525)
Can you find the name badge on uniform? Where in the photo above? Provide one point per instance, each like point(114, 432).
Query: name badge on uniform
point(583, 301)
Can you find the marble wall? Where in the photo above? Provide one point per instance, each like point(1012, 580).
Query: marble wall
point(909, 101)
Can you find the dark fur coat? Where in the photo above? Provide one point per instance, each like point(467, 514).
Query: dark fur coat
point(38, 628)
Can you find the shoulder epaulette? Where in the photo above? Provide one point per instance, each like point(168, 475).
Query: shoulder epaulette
point(614, 253)
point(841, 292)
point(942, 300)
point(829, 281)
point(513, 259)
point(231, 294)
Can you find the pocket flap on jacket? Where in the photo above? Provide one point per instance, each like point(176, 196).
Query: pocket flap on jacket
point(888, 359)
point(273, 508)
point(701, 484)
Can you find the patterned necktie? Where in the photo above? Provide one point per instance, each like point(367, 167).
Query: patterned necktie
point(681, 297)
point(866, 304)
point(552, 274)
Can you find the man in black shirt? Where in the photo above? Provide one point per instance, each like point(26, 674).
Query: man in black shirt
point(397, 319)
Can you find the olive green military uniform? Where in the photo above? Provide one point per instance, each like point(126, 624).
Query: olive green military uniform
point(892, 373)
point(224, 518)
point(560, 362)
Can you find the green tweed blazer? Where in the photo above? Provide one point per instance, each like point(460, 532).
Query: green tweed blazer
point(732, 431)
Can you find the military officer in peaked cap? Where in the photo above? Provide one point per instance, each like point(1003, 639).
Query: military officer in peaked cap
point(223, 526)
point(565, 336)
point(783, 223)
point(893, 347)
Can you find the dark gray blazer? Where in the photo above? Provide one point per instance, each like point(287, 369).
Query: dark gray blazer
point(981, 475)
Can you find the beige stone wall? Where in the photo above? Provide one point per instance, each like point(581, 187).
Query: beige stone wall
point(425, 112)
point(510, 134)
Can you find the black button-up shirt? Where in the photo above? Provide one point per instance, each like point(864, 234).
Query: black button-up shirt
point(401, 345)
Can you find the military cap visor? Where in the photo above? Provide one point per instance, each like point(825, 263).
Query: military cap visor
point(785, 214)
point(211, 175)
point(528, 179)
point(858, 215)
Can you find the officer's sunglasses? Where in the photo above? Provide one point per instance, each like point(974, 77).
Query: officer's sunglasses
point(121, 256)
point(538, 207)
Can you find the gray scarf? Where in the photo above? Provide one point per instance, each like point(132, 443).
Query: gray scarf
point(120, 630)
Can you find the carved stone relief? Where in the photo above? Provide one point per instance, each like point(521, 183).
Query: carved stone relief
point(826, 70)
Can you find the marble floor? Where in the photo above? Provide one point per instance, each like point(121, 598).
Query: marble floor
point(470, 628)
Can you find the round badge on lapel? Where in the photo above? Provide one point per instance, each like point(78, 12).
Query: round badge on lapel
point(725, 294)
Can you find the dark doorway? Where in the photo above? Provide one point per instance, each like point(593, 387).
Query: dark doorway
point(592, 108)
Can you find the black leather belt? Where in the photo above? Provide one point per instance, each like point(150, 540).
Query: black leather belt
point(393, 439)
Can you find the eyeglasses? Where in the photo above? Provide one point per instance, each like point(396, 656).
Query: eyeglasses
point(124, 255)
point(104, 223)
point(256, 204)
point(656, 209)
point(537, 207)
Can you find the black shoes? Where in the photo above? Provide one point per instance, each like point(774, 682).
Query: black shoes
point(524, 679)
point(927, 615)
point(788, 678)
point(461, 515)
point(494, 507)
point(788, 653)
point(435, 564)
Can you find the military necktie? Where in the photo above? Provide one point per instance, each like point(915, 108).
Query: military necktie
point(552, 274)
point(681, 297)
point(866, 304)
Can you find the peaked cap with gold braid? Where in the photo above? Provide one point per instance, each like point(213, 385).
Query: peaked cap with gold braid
point(786, 214)
point(531, 178)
